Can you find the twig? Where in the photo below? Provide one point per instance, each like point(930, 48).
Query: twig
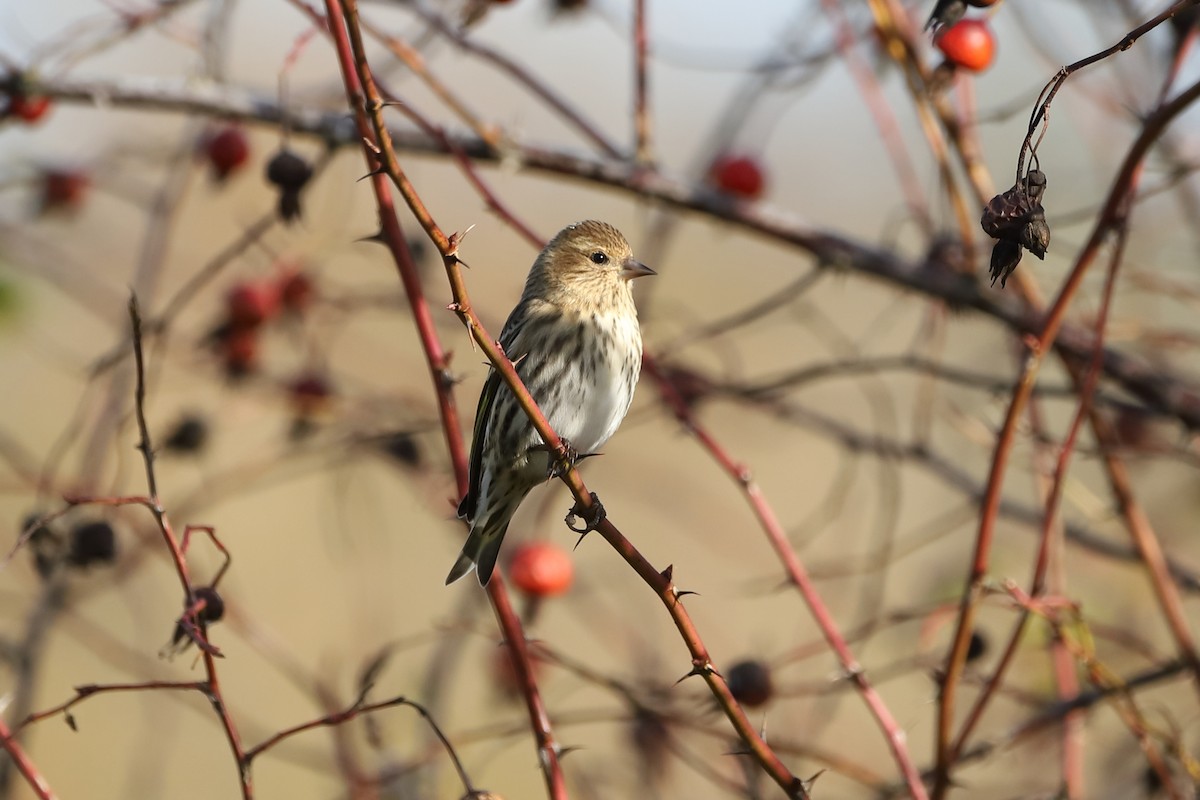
point(770, 524)
point(1158, 388)
point(24, 764)
point(212, 684)
point(643, 145)
point(1038, 346)
point(364, 98)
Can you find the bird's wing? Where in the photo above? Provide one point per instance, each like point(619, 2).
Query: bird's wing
point(487, 398)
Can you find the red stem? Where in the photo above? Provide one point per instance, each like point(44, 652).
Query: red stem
point(24, 765)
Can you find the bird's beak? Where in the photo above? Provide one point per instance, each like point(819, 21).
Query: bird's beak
point(633, 268)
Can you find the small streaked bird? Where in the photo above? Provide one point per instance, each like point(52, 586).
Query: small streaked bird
point(575, 342)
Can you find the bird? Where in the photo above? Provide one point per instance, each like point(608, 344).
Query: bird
point(574, 340)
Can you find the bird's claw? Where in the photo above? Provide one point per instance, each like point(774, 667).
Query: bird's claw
point(561, 466)
point(592, 516)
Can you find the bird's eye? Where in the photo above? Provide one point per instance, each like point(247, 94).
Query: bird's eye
point(599, 258)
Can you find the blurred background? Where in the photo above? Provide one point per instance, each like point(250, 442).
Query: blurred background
point(787, 148)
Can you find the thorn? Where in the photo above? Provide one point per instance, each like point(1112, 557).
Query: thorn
point(564, 751)
point(668, 572)
point(370, 174)
point(698, 669)
point(684, 592)
point(374, 238)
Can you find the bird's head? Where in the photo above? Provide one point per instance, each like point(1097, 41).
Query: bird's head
point(584, 264)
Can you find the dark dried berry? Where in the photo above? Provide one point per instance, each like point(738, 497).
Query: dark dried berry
point(214, 604)
point(212, 611)
point(977, 647)
point(401, 446)
point(290, 173)
point(1035, 186)
point(1017, 219)
point(1005, 257)
point(1035, 236)
point(189, 436)
point(750, 683)
point(92, 543)
point(1006, 214)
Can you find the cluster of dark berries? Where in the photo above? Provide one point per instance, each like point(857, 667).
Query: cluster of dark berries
point(90, 543)
point(227, 151)
point(290, 173)
point(1017, 221)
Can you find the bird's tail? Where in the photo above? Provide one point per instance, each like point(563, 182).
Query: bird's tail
point(480, 551)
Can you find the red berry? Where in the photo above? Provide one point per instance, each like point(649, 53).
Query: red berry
point(250, 305)
point(541, 569)
point(63, 190)
point(750, 683)
point(239, 349)
point(738, 175)
point(296, 290)
point(969, 44)
point(227, 151)
point(28, 109)
point(310, 393)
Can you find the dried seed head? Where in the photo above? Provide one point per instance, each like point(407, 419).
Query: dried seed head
point(1005, 257)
